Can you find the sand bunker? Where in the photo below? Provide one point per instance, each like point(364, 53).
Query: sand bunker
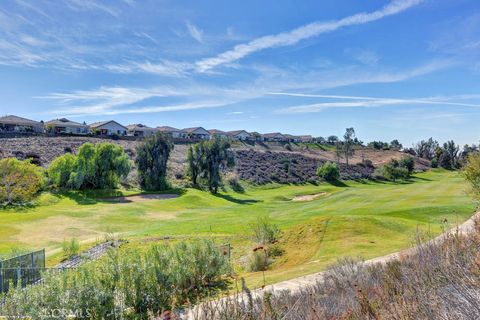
point(309, 197)
point(141, 197)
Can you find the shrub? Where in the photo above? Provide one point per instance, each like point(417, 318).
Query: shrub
point(393, 171)
point(434, 163)
point(235, 184)
point(407, 163)
point(138, 282)
point(329, 171)
point(20, 181)
point(264, 231)
point(152, 158)
point(70, 248)
point(258, 260)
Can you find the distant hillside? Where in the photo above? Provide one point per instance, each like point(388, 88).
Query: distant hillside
point(256, 162)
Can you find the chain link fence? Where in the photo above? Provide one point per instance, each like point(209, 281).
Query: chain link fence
point(21, 270)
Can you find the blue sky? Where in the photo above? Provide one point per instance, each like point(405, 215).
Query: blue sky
point(391, 69)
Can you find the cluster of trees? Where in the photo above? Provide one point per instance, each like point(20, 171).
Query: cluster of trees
point(99, 166)
point(397, 169)
point(446, 156)
point(206, 161)
point(380, 145)
point(333, 140)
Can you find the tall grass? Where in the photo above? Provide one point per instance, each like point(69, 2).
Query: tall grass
point(126, 283)
point(440, 280)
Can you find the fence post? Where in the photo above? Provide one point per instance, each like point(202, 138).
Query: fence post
point(1, 278)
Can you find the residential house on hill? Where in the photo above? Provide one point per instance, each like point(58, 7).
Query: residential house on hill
point(306, 138)
point(11, 123)
point(172, 132)
point(240, 135)
point(108, 128)
point(274, 137)
point(140, 130)
point(63, 125)
point(292, 138)
point(196, 133)
point(218, 133)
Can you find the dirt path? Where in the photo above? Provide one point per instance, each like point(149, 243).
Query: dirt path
point(141, 198)
point(300, 283)
point(308, 197)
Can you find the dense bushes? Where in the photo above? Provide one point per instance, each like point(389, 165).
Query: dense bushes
point(329, 171)
point(94, 167)
point(152, 158)
point(20, 181)
point(397, 170)
point(127, 283)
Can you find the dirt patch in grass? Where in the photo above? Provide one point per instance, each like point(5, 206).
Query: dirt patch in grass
point(140, 198)
point(309, 197)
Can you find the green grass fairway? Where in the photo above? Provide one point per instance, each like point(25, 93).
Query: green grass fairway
point(356, 219)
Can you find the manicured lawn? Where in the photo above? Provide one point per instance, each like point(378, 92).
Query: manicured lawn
point(357, 219)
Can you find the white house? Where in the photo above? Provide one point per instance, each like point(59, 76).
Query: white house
point(12, 123)
point(241, 135)
point(218, 133)
point(140, 130)
point(64, 125)
point(275, 136)
point(172, 132)
point(196, 133)
point(292, 138)
point(306, 138)
point(108, 128)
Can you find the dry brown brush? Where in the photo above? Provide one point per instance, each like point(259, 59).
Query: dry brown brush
point(440, 280)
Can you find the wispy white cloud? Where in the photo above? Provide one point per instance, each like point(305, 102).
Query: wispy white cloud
point(304, 32)
point(367, 57)
point(164, 67)
point(367, 102)
point(195, 32)
point(92, 5)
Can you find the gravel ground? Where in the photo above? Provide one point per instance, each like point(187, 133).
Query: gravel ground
point(93, 253)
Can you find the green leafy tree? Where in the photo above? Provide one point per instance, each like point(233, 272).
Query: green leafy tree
point(152, 158)
point(217, 158)
point(407, 163)
point(329, 171)
point(111, 163)
point(472, 172)
point(195, 162)
point(207, 159)
point(448, 155)
point(348, 143)
point(396, 145)
point(95, 167)
point(20, 181)
point(62, 171)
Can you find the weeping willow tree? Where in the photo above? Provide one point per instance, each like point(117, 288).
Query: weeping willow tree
point(152, 158)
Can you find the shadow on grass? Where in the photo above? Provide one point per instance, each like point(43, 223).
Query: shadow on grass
point(338, 183)
point(90, 197)
point(235, 200)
